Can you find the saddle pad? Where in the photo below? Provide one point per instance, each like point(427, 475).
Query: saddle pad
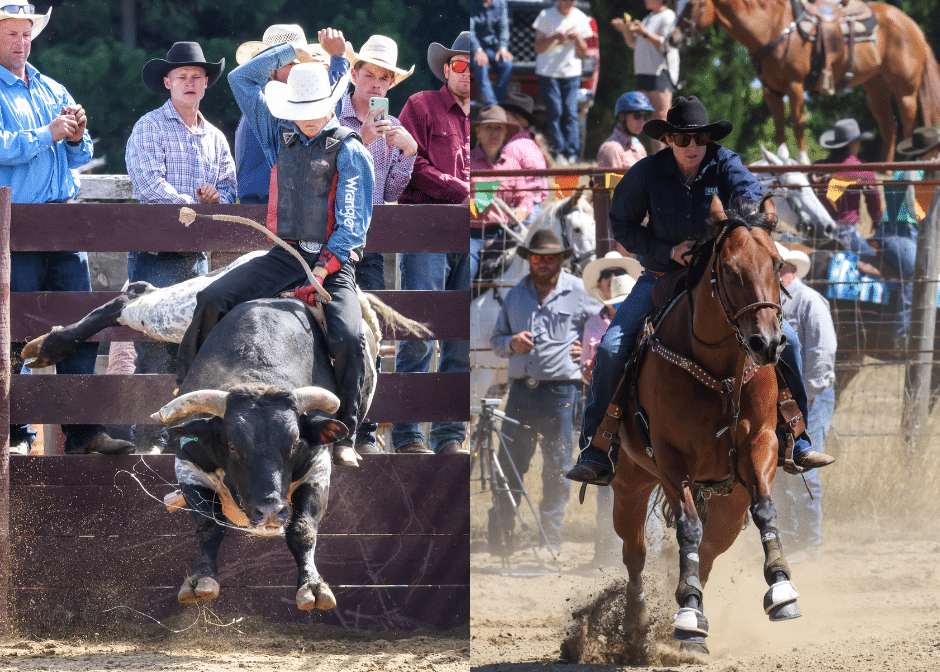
point(847, 282)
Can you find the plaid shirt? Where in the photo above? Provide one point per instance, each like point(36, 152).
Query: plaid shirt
point(392, 168)
point(528, 154)
point(168, 162)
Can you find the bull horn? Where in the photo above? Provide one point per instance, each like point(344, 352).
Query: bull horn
point(200, 401)
point(310, 398)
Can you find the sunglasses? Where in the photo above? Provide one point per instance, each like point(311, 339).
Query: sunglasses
point(459, 67)
point(544, 258)
point(612, 273)
point(642, 116)
point(19, 9)
point(684, 140)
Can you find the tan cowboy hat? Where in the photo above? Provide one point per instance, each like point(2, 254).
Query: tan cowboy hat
point(613, 259)
point(306, 95)
point(438, 54)
point(383, 51)
point(39, 20)
point(279, 33)
point(796, 257)
point(494, 114)
point(620, 288)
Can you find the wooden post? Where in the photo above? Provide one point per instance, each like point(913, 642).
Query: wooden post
point(4, 407)
point(601, 210)
point(916, 406)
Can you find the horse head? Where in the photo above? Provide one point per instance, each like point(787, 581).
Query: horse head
point(692, 16)
point(572, 219)
point(745, 277)
point(798, 203)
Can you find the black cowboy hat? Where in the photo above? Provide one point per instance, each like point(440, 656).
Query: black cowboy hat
point(521, 104)
point(687, 115)
point(922, 141)
point(180, 55)
point(544, 242)
point(844, 132)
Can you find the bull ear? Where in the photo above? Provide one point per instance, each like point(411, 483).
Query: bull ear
point(315, 398)
point(200, 401)
point(323, 431)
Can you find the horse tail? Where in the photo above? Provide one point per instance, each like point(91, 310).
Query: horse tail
point(930, 90)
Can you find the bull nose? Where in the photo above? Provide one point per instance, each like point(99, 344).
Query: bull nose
point(270, 514)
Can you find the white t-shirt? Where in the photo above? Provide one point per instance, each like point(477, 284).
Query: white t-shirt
point(647, 59)
point(560, 60)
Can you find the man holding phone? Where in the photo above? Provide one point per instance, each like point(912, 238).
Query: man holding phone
point(365, 110)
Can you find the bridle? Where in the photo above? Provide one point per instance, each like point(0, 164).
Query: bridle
point(731, 315)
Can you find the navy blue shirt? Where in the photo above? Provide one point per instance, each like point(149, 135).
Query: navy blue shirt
point(676, 212)
point(489, 26)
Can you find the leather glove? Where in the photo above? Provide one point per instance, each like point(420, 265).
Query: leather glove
point(308, 293)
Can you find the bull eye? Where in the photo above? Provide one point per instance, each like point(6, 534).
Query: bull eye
point(232, 452)
point(294, 447)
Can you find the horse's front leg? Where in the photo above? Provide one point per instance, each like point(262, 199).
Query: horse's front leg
point(690, 626)
point(780, 600)
point(632, 489)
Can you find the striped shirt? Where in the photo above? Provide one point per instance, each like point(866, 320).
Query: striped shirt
point(167, 161)
point(392, 168)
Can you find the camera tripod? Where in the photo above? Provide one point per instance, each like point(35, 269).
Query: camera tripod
point(501, 537)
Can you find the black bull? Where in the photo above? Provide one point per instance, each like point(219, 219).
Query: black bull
point(257, 458)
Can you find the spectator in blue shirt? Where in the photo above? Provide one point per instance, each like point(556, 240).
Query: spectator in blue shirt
point(674, 188)
point(489, 36)
point(42, 137)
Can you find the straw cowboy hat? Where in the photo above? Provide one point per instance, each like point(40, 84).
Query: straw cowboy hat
point(544, 241)
point(795, 257)
point(306, 95)
point(383, 51)
point(844, 132)
point(438, 54)
point(620, 288)
point(279, 33)
point(687, 115)
point(39, 20)
point(180, 55)
point(613, 259)
point(922, 141)
point(494, 114)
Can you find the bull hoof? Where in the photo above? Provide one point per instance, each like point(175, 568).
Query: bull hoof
point(322, 599)
point(345, 456)
point(203, 590)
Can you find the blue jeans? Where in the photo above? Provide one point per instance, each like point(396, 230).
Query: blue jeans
point(799, 516)
point(616, 348)
point(899, 247)
point(55, 272)
point(852, 240)
point(433, 271)
point(546, 414)
point(481, 75)
point(476, 252)
point(560, 97)
point(370, 272)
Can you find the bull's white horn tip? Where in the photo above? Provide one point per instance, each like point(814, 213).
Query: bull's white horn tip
point(158, 416)
point(187, 216)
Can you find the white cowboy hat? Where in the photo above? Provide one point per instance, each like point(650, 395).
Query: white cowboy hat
point(796, 257)
point(620, 288)
point(306, 95)
point(383, 51)
point(39, 20)
point(613, 259)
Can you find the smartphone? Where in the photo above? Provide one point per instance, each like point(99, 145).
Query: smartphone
point(379, 104)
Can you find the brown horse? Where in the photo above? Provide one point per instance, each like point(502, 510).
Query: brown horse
point(899, 63)
point(709, 389)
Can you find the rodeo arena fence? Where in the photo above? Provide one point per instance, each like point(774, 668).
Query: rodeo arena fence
point(885, 394)
point(83, 535)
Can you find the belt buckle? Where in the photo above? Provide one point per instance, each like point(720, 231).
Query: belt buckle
point(532, 383)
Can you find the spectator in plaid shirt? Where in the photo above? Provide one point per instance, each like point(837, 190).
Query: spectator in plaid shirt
point(174, 155)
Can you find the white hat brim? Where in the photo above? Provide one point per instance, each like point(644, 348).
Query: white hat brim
point(40, 21)
point(592, 272)
point(400, 75)
point(275, 95)
point(798, 258)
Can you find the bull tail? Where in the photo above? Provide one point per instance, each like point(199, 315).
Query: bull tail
point(373, 307)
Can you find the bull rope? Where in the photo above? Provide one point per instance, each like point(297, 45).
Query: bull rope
point(188, 216)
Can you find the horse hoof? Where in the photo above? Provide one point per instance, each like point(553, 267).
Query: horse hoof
point(785, 612)
point(322, 599)
point(203, 590)
point(779, 595)
point(690, 628)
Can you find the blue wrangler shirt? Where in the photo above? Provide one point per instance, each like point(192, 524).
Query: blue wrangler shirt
point(677, 212)
point(31, 164)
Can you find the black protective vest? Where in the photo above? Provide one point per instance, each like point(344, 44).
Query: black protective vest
point(305, 176)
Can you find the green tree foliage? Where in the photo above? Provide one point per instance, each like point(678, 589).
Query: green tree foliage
point(82, 48)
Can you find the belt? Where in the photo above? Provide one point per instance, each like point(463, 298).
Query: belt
point(306, 245)
point(533, 383)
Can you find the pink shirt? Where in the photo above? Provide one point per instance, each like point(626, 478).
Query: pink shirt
point(528, 154)
point(594, 330)
point(510, 188)
point(620, 151)
point(845, 211)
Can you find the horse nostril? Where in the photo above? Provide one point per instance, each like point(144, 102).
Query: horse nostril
point(756, 344)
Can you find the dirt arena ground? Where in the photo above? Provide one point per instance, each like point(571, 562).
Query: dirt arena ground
point(867, 600)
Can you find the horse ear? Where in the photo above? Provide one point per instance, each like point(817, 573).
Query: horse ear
point(717, 210)
point(769, 208)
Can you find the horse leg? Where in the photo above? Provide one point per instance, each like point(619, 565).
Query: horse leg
point(725, 522)
point(778, 114)
point(632, 489)
point(879, 100)
point(690, 627)
point(780, 600)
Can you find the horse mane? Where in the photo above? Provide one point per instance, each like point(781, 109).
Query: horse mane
point(744, 213)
